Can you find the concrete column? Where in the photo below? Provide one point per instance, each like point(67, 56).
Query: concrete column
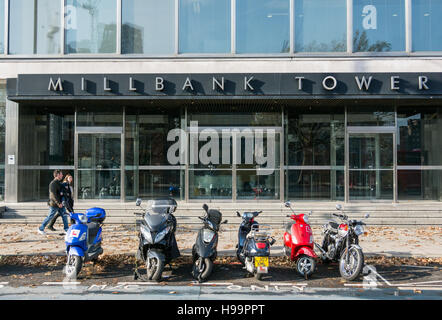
point(11, 150)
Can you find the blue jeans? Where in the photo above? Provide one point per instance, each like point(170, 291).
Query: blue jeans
point(52, 212)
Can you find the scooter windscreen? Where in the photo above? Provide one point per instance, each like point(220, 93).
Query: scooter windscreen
point(155, 221)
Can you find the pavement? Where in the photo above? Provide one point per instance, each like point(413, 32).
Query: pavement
point(389, 241)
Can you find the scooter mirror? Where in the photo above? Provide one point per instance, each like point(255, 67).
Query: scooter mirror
point(138, 202)
point(338, 207)
point(238, 214)
point(287, 204)
point(205, 207)
point(367, 215)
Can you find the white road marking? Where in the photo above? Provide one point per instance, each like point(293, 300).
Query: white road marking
point(418, 283)
point(375, 272)
point(421, 288)
point(211, 283)
point(60, 283)
point(139, 283)
point(281, 284)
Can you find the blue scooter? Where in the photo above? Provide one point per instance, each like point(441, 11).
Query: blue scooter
point(83, 240)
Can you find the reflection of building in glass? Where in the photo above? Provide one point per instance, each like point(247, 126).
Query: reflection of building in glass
point(132, 37)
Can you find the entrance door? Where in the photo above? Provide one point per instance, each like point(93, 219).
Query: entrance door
point(98, 165)
point(371, 165)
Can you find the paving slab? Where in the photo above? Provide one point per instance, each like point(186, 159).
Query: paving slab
point(413, 241)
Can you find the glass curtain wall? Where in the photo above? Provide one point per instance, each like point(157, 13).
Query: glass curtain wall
point(2, 26)
point(426, 30)
point(90, 26)
point(315, 153)
point(148, 27)
point(378, 25)
point(320, 25)
point(150, 167)
point(419, 158)
point(262, 26)
point(34, 27)
point(204, 26)
point(46, 143)
point(2, 138)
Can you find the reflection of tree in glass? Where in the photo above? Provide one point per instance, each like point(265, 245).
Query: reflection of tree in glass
point(361, 44)
point(332, 46)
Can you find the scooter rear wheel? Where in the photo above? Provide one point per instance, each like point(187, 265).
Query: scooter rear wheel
point(73, 267)
point(259, 276)
point(305, 265)
point(154, 269)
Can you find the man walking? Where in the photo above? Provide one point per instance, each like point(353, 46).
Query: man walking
point(55, 202)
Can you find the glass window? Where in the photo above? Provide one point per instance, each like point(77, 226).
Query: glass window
point(152, 184)
point(420, 185)
point(204, 26)
point(320, 25)
point(46, 136)
point(378, 25)
point(34, 27)
point(262, 26)
point(315, 137)
point(427, 33)
point(419, 136)
point(315, 184)
point(2, 26)
point(100, 116)
point(148, 26)
point(90, 26)
point(2, 138)
point(370, 116)
point(34, 184)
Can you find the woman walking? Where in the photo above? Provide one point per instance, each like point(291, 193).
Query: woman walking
point(67, 193)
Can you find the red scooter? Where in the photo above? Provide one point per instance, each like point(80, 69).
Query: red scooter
point(298, 243)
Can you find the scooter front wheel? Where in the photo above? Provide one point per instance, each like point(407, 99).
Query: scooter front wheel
point(154, 268)
point(202, 268)
point(305, 265)
point(350, 267)
point(73, 267)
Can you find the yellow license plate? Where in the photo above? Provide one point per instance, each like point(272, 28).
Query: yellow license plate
point(261, 261)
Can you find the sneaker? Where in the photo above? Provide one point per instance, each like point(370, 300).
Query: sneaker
point(51, 228)
point(41, 232)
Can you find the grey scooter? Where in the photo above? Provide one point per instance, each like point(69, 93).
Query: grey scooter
point(204, 250)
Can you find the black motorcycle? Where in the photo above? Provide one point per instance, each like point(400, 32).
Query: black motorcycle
point(157, 243)
point(341, 243)
point(204, 250)
point(254, 241)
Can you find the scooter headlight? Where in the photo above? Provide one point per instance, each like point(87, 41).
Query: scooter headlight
point(146, 233)
point(359, 230)
point(82, 218)
point(162, 234)
point(208, 235)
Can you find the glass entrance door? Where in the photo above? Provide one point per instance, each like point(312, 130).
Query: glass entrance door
point(98, 166)
point(370, 166)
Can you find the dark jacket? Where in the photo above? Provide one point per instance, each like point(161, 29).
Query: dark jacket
point(55, 193)
point(66, 195)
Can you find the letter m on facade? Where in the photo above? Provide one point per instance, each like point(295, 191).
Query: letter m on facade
point(55, 86)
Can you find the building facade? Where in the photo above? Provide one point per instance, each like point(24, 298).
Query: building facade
point(227, 100)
